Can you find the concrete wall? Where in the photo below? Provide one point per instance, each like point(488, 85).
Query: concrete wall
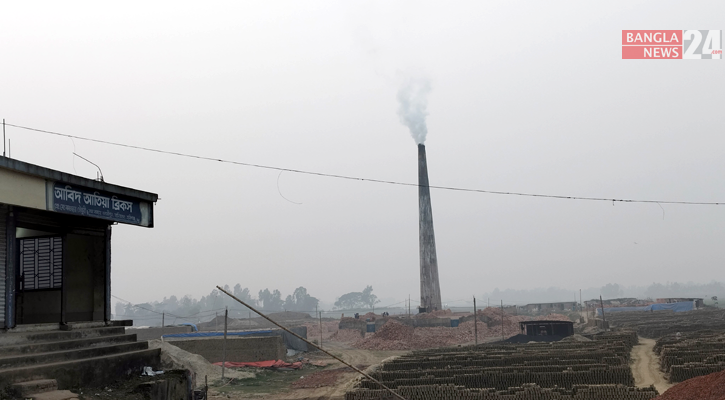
point(292, 342)
point(155, 332)
point(354, 324)
point(22, 190)
point(239, 349)
point(3, 265)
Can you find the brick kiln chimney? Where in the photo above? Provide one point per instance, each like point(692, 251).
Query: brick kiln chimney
point(430, 289)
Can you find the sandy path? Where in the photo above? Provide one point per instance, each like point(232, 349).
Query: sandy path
point(646, 366)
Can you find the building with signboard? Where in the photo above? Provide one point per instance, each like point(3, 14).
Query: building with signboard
point(547, 328)
point(55, 243)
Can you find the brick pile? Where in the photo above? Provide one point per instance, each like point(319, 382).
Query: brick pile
point(708, 387)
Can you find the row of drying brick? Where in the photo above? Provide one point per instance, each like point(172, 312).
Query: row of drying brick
point(526, 392)
point(695, 354)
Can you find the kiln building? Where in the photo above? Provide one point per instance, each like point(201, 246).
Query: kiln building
point(55, 243)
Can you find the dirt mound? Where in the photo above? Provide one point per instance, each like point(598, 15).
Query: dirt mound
point(173, 357)
point(217, 324)
point(394, 330)
point(708, 387)
point(391, 336)
point(288, 315)
point(396, 336)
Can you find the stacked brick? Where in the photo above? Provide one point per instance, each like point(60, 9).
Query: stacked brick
point(526, 392)
point(662, 323)
point(693, 354)
point(689, 344)
point(573, 370)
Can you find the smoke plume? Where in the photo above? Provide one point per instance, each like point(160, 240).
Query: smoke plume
point(413, 99)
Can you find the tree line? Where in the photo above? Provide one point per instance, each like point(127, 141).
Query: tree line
point(189, 309)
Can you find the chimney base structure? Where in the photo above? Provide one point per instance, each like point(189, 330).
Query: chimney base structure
point(430, 290)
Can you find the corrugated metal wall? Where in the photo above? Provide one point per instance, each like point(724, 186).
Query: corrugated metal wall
point(3, 264)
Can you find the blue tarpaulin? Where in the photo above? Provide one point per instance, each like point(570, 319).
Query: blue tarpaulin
point(211, 334)
point(191, 325)
point(676, 307)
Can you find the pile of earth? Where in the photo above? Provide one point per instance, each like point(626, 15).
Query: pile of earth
point(707, 387)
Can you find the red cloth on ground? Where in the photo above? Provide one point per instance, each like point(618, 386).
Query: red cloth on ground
point(262, 364)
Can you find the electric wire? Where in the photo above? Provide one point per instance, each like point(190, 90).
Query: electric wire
point(347, 177)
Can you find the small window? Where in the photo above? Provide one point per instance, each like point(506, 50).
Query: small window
point(41, 263)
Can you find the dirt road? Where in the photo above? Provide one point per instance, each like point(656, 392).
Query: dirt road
point(646, 366)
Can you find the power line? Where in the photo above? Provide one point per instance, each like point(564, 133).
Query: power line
point(347, 177)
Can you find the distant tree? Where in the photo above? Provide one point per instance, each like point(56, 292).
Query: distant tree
point(366, 298)
point(243, 294)
point(612, 291)
point(303, 301)
point(271, 301)
point(350, 300)
point(369, 298)
point(300, 301)
point(289, 303)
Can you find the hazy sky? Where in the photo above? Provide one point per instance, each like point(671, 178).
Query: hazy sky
point(525, 96)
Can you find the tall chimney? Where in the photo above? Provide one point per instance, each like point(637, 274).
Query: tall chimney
point(430, 289)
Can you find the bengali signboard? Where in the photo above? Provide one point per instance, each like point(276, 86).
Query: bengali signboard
point(72, 199)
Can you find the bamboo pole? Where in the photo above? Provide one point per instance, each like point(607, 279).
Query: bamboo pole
point(604, 320)
point(314, 345)
point(475, 321)
point(224, 346)
point(503, 337)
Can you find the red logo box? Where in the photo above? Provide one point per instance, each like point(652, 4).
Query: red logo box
point(652, 38)
point(648, 52)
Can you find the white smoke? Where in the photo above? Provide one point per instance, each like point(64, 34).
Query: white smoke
point(413, 99)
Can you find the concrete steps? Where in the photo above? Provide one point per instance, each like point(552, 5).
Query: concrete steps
point(43, 389)
point(25, 389)
point(55, 395)
point(87, 372)
point(19, 338)
point(19, 360)
point(49, 346)
point(85, 355)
